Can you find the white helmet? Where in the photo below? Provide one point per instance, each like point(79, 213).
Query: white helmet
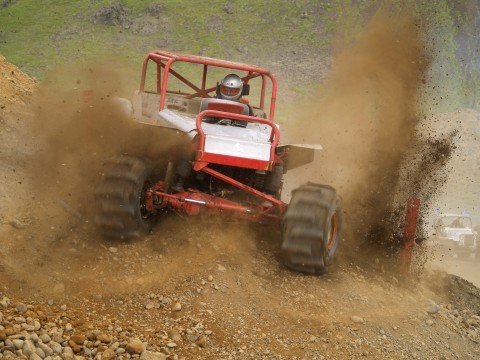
point(231, 87)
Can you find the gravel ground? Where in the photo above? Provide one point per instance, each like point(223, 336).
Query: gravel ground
point(205, 299)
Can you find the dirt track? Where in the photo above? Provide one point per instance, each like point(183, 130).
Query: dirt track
point(233, 293)
point(201, 289)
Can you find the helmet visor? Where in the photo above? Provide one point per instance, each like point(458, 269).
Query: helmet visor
point(229, 91)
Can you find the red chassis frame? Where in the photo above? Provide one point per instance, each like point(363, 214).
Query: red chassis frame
point(191, 201)
point(165, 60)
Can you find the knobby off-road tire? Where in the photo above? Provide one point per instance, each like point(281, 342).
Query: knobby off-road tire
point(312, 229)
point(121, 212)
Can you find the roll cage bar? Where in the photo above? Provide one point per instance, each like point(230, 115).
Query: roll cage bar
point(165, 60)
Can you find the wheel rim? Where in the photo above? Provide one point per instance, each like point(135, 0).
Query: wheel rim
point(332, 234)
point(144, 213)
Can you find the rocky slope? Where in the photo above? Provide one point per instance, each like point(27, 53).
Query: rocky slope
point(201, 290)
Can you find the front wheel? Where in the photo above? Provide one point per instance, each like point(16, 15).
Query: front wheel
point(312, 229)
point(120, 199)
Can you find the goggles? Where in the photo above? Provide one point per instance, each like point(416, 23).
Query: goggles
point(229, 91)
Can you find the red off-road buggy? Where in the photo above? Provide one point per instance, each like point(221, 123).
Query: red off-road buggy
point(235, 166)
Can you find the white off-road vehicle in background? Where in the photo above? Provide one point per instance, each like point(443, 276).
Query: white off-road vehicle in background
point(455, 237)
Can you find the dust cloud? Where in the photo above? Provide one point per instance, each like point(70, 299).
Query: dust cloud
point(366, 120)
point(366, 123)
point(77, 126)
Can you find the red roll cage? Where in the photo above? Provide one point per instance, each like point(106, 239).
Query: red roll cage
point(164, 61)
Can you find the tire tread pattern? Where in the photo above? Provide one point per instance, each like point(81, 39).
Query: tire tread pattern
point(305, 228)
point(118, 199)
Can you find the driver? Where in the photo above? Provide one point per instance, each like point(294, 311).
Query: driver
point(230, 88)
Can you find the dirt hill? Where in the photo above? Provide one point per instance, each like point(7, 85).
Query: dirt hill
point(15, 91)
point(16, 85)
point(198, 289)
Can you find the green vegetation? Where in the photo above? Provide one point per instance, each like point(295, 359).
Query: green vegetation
point(37, 36)
point(41, 35)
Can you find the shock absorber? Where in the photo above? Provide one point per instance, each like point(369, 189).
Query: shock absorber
point(259, 179)
point(273, 181)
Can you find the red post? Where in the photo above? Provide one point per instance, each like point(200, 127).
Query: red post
point(262, 94)
point(410, 227)
point(159, 78)
point(204, 76)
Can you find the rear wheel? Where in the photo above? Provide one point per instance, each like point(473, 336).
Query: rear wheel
point(120, 199)
point(312, 229)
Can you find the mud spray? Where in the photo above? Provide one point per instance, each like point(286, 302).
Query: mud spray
point(367, 119)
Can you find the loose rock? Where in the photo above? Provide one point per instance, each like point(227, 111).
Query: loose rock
point(68, 353)
point(135, 347)
point(18, 343)
point(221, 268)
point(56, 347)
point(433, 309)
point(108, 354)
point(46, 349)
point(201, 342)
point(78, 339)
point(106, 339)
point(5, 302)
point(35, 356)
point(45, 338)
point(40, 352)
point(357, 319)
point(149, 305)
point(28, 348)
point(17, 224)
point(174, 335)
point(21, 308)
point(150, 355)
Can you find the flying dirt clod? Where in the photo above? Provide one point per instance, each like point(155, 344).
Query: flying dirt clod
point(367, 117)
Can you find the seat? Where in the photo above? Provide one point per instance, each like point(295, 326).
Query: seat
point(224, 105)
point(233, 107)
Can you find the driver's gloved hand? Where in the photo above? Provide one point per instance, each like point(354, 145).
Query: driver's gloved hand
point(240, 123)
